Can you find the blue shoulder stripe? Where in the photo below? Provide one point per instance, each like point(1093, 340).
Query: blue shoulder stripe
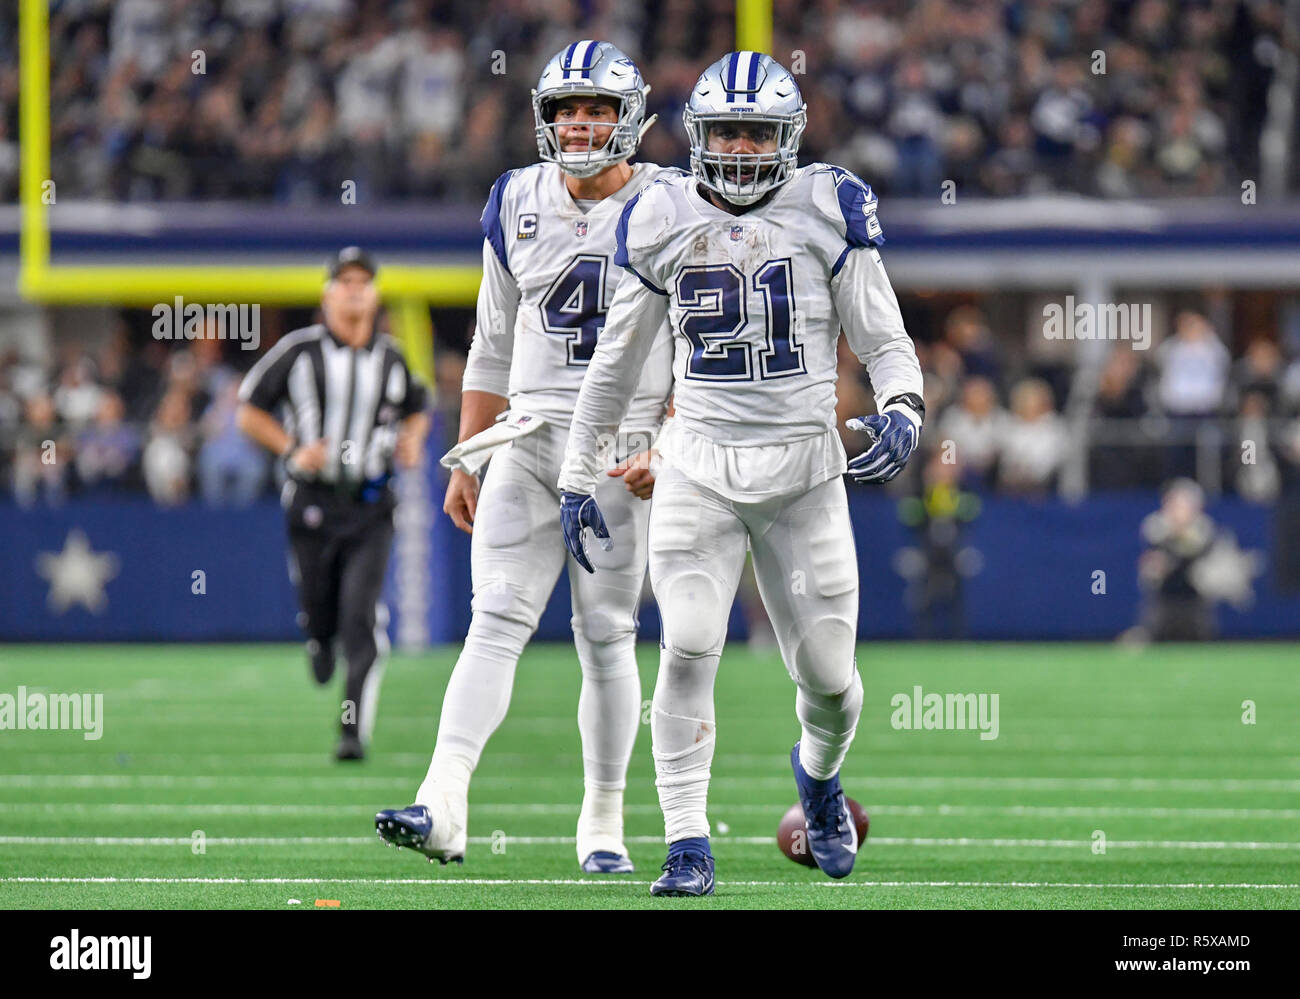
point(620, 242)
point(491, 219)
point(858, 208)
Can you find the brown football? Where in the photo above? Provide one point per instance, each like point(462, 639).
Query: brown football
point(792, 837)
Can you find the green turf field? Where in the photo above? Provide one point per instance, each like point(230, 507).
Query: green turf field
point(1198, 809)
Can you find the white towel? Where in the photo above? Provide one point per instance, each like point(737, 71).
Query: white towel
point(471, 455)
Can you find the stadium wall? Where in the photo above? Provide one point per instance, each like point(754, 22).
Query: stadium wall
point(1035, 560)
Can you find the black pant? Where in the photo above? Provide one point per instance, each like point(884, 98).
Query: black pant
point(340, 551)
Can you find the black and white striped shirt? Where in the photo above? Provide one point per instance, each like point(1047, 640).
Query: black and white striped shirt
point(354, 398)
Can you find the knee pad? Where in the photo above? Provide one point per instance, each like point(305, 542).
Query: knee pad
point(694, 620)
point(504, 600)
point(600, 626)
point(822, 657)
point(496, 637)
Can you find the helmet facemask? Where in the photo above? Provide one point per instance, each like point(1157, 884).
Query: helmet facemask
point(624, 135)
point(744, 178)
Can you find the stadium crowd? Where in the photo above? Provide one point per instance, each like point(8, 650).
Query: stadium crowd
point(134, 414)
point(285, 99)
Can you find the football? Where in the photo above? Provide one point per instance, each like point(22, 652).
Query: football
point(792, 838)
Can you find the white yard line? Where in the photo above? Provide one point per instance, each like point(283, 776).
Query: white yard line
point(346, 808)
point(1191, 784)
point(615, 882)
point(508, 840)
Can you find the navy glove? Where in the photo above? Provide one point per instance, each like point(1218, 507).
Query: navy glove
point(579, 511)
point(893, 437)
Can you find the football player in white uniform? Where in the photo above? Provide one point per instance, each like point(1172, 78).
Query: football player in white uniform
point(548, 276)
point(758, 264)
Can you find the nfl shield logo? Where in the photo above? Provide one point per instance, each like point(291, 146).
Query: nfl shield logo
point(736, 231)
point(580, 229)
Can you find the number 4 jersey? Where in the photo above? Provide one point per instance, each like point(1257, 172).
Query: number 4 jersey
point(548, 277)
point(756, 303)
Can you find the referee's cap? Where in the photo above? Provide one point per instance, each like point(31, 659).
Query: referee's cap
point(351, 256)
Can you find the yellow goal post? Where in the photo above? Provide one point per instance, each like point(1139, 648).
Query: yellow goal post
point(408, 290)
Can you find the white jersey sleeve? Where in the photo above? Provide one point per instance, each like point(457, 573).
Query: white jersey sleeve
point(864, 299)
point(488, 367)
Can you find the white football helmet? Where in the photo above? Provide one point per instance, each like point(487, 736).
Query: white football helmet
point(584, 69)
point(745, 87)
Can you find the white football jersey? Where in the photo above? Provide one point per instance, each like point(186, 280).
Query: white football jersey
point(756, 302)
point(753, 303)
point(548, 278)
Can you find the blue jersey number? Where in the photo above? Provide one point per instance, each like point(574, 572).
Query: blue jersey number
point(712, 301)
point(574, 306)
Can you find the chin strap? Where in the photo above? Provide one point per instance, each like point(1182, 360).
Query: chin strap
point(645, 128)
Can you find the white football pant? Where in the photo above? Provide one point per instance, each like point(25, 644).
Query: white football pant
point(807, 573)
point(516, 557)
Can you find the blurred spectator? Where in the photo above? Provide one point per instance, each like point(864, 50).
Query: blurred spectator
point(937, 567)
point(167, 455)
point(406, 98)
point(76, 399)
point(1119, 459)
point(967, 332)
point(232, 469)
point(1119, 390)
point(1193, 368)
point(107, 450)
point(1178, 535)
point(1034, 441)
point(1251, 469)
point(42, 455)
point(976, 426)
point(1259, 371)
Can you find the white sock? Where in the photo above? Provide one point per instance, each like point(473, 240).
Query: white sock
point(600, 824)
point(683, 732)
point(475, 703)
point(829, 722)
point(609, 710)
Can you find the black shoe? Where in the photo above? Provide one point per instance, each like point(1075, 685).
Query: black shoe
point(350, 748)
point(322, 661)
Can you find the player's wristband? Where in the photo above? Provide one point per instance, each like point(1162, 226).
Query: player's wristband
point(912, 401)
point(289, 448)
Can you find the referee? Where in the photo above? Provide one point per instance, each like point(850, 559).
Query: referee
point(339, 404)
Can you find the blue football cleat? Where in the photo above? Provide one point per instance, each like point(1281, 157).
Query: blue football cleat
point(413, 827)
point(688, 869)
point(607, 862)
point(832, 834)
